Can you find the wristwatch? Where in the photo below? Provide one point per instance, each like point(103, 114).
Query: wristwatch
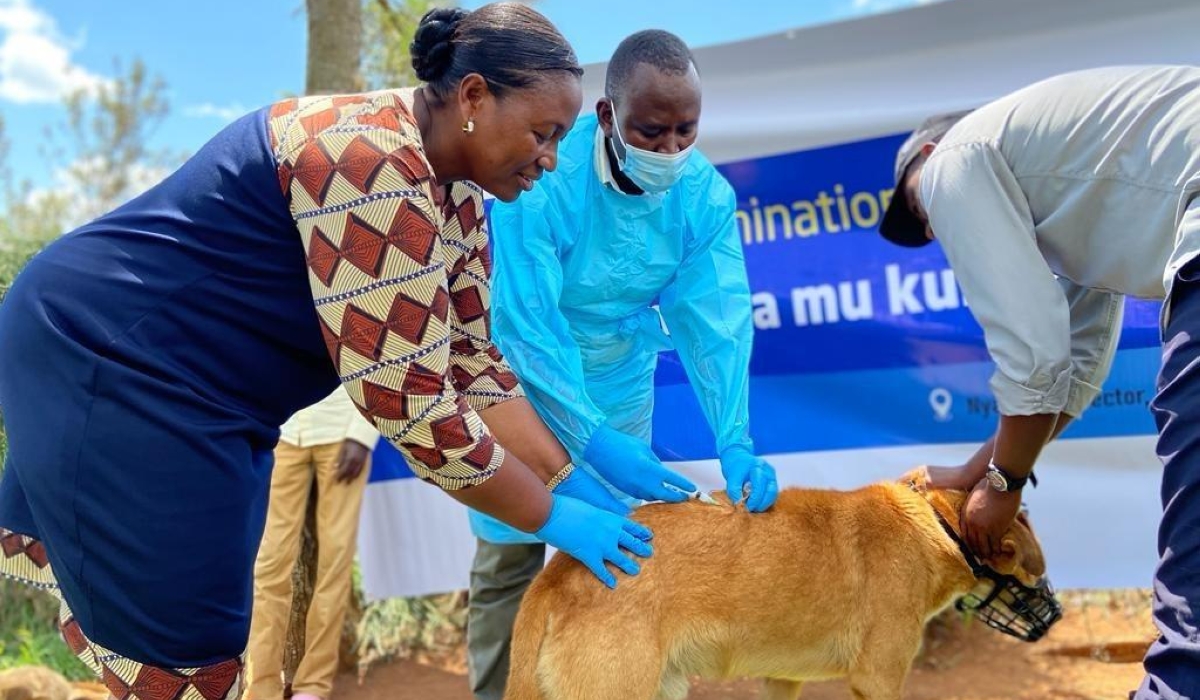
point(1002, 481)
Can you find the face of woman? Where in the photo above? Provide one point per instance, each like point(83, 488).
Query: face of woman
point(516, 137)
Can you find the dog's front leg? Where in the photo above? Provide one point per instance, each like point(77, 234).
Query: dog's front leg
point(777, 689)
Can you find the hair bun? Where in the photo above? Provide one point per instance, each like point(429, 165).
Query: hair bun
point(432, 47)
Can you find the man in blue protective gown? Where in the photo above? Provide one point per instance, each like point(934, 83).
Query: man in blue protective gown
point(632, 217)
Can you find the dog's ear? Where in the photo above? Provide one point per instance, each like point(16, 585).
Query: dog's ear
point(1032, 562)
point(916, 478)
point(1007, 556)
point(1019, 553)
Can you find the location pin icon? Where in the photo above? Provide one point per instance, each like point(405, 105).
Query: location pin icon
point(940, 401)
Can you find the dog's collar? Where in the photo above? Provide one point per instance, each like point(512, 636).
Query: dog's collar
point(977, 568)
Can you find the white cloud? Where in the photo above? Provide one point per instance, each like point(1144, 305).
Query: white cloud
point(35, 59)
point(21, 17)
point(225, 113)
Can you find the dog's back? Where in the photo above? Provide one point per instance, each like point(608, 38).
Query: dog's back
point(807, 590)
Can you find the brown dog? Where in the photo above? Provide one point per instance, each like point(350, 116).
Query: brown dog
point(827, 584)
point(41, 683)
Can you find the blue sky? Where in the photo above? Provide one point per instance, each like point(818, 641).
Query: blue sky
point(223, 57)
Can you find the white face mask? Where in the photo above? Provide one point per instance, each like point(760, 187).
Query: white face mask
point(653, 172)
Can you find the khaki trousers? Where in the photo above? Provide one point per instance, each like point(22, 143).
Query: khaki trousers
point(338, 506)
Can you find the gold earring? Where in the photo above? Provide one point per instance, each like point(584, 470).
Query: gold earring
point(469, 126)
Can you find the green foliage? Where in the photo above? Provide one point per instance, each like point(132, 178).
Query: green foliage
point(401, 628)
point(28, 222)
point(15, 252)
point(388, 28)
point(29, 632)
point(107, 140)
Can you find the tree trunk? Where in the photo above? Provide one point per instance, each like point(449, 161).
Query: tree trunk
point(304, 577)
point(334, 55)
point(334, 47)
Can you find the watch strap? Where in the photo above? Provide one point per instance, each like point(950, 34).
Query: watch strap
point(1015, 483)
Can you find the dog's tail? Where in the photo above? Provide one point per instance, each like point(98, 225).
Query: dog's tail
point(529, 633)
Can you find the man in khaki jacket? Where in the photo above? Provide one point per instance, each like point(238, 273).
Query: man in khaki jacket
point(1052, 204)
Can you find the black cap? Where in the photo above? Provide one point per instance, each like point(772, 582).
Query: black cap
point(899, 225)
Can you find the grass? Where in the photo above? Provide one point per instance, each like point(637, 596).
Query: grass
point(29, 632)
point(14, 253)
point(404, 628)
point(400, 628)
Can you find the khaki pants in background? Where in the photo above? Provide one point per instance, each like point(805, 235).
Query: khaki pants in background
point(338, 506)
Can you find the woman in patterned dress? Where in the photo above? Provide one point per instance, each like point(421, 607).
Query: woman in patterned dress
point(148, 357)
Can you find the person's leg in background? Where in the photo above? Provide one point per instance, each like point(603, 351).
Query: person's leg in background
point(338, 506)
point(291, 482)
point(1173, 661)
point(499, 576)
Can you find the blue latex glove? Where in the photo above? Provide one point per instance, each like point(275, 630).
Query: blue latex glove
point(594, 537)
point(631, 466)
point(583, 486)
point(744, 471)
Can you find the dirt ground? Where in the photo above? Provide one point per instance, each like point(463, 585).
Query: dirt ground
point(1093, 654)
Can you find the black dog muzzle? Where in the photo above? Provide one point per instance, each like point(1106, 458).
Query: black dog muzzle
point(1025, 612)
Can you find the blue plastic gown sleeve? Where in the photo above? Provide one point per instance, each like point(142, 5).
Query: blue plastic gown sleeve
point(708, 312)
point(530, 329)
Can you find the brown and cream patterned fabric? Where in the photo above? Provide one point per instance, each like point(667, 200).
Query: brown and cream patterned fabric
point(23, 559)
point(399, 269)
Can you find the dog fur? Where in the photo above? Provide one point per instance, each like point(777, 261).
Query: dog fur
point(827, 584)
point(41, 683)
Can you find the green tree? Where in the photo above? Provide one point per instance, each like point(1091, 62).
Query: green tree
point(388, 28)
point(107, 140)
point(29, 220)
